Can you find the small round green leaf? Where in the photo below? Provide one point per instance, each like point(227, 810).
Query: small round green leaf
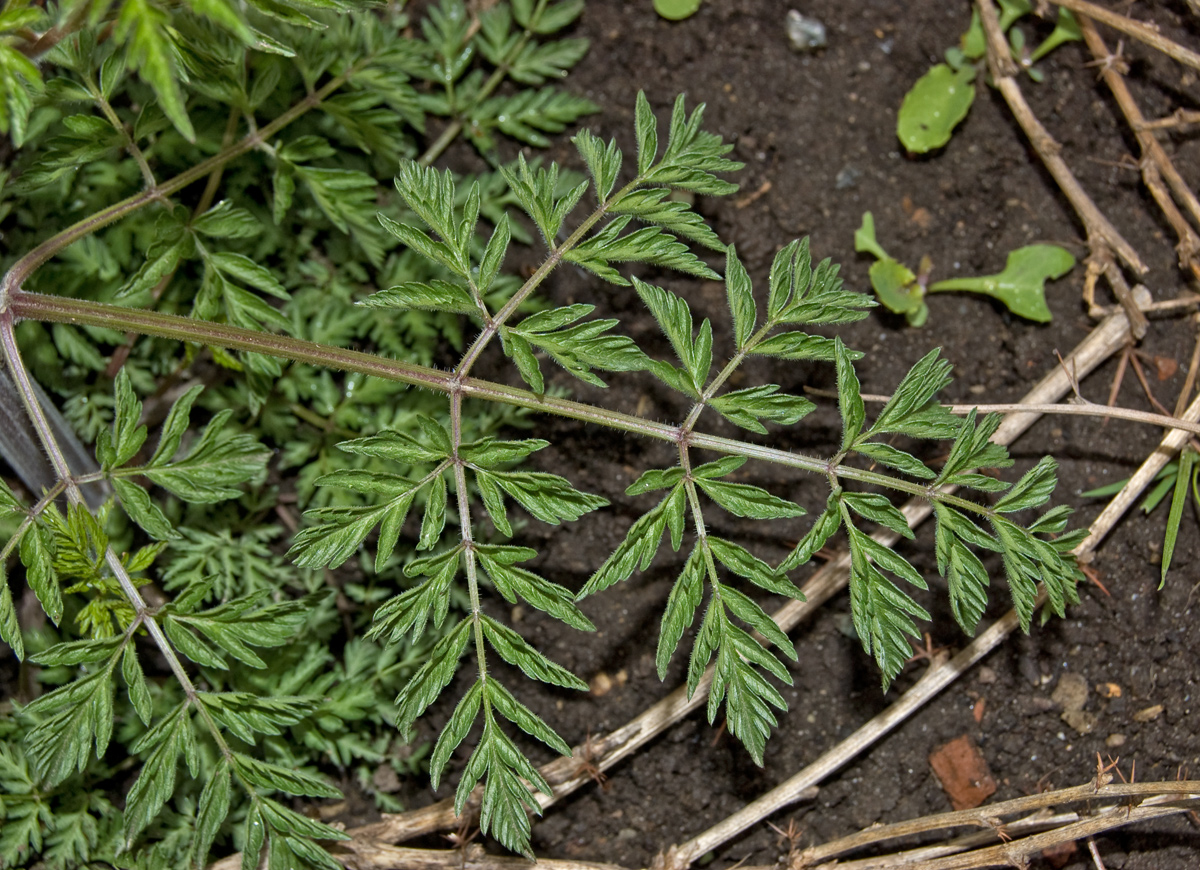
point(933, 108)
point(676, 10)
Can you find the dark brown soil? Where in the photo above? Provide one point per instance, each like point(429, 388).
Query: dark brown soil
point(819, 129)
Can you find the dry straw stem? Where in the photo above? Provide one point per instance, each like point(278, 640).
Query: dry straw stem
point(1064, 409)
point(1102, 236)
point(992, 817)
point(1155, 164)
point(366, 855)
point(1168, 798)
point(1115, 509)
point(1147, 33)
point(1015, 853)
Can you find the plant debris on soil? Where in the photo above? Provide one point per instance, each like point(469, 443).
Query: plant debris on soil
point(816, 131)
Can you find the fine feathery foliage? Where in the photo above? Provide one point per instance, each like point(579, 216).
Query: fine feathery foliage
point(179, 633)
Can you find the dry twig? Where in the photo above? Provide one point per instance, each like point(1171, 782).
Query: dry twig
point(1146, 33)
point(1102, 237)
point(1155, 164)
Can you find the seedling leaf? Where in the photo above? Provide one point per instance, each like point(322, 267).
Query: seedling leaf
point(1021, 286)
point(934, 106)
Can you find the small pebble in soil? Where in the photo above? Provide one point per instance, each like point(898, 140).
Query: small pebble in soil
point(1071, 692)
point(847, 178)
point(1113, 741)
point(1148, 714)
point(804, 33)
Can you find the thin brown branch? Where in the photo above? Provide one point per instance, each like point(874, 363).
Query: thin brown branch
point(1089, 409)
point(1189, 383)
point(992, 815)
point(1178, 118)
point(1147, 33)
point(1163, 308)
point(1017, 852)
point(1102, 236)
point(1155, 164)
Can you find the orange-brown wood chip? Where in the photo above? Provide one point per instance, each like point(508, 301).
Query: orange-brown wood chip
point(963, 772)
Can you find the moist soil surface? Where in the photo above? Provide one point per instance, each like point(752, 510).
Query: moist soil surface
point(817, 134)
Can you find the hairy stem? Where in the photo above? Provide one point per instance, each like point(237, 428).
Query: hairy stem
point(12, 357)
point(127, 140)
point(464, 521)
point(36, 306)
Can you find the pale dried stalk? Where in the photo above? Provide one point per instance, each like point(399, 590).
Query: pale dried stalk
point(1017, 852)
point(1146, 33)
point(369, 855)
point(1162, 799)
point(1156, 165)
point(991, 816)
point(1102, 236)
point(1178, 118)
point(1115, 509)
point(1063, 409)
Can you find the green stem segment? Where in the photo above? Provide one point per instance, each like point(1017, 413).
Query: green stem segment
point(55, 309)
point(464, 521)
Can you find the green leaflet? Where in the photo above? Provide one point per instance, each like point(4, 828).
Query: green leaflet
point(740, 293)
point(428, 601)
point(934, 106)
point(748, 696)
point(674, 318)
point(506, 797)
point(427, 683)
point(680, 611)
point(652, 245)
point(516, 651)
point(914, 395)
point(156, 783)
point(246, 715)
point(577, 347)
point(641, 543)
point(513, 582)
point(236, 626)
point(883, 614)
point(743, 500)
point(603, 161)
point(536, 191)
point(850, 401)
point(748, 407)
point(822, 530)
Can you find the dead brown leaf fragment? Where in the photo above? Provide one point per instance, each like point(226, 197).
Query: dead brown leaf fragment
point(963, 772)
